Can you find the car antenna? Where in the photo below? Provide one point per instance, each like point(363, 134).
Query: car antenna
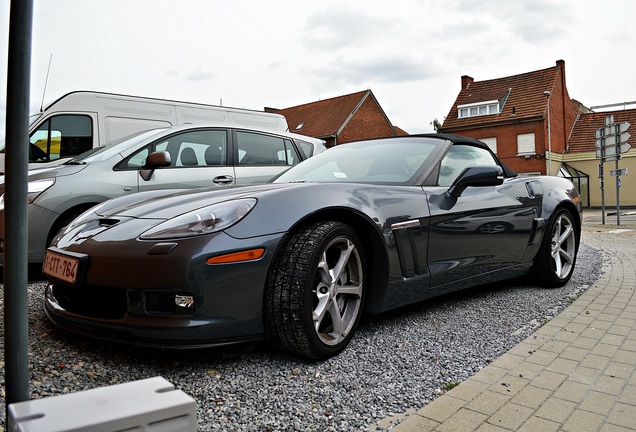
point(45, 82)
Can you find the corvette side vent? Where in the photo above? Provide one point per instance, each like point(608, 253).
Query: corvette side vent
point(108, 222)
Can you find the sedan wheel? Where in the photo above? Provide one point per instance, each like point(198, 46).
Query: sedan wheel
point(315, 290)
point(555, 260)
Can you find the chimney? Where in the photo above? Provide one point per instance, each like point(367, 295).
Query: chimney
point(466, 82)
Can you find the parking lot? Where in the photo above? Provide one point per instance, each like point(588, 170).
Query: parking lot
point(397, 363)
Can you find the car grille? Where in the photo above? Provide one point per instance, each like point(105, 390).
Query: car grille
point(114, 303)
point(92, 301)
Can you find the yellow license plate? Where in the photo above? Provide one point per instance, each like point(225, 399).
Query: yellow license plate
point(62, 267)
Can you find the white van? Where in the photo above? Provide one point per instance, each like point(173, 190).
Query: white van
point(81, 120)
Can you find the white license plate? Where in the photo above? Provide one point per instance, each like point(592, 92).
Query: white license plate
point(62, 267)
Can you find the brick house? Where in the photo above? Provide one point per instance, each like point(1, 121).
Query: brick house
point(515, 115)
point(534, 126)
point(340, 119)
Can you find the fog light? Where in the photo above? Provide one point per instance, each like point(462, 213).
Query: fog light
point(184, 301)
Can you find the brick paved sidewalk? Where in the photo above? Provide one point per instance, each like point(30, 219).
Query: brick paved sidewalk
point(577, 373)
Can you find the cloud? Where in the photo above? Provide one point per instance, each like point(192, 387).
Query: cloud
point(530, 21)
point(381, 69)
point(200, 75)
point(336, 30)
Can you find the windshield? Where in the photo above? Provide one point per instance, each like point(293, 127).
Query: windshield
point(99, 154)
point(378, 161)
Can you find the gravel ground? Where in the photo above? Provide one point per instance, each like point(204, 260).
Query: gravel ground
point(397, 361)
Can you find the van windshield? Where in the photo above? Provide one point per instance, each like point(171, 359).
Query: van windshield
point(32, 118)
point(107, 151)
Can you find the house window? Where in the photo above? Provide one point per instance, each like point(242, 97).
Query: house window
point(478, 109)
point(525, 144)
point(491, 142)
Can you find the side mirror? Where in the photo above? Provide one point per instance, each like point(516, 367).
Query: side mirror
point(476, 176)
point(155, 160)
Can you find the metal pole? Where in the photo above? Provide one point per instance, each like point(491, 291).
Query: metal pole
point(618, 187)
point(16, 165)
point(602, 192)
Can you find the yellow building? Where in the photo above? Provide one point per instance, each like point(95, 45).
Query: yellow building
point(580, 161)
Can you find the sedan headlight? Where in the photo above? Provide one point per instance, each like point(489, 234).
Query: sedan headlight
point(37, 187)
point(205, 220)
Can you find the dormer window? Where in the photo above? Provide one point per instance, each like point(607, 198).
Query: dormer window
point(478, 109)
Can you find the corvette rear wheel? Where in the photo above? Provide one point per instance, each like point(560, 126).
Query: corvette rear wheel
point(555, 260)
point(315, 290)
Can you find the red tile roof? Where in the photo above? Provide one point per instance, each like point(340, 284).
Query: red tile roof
point(526, 98)
point(323, 118)
point(400, 131)
point(583, 138)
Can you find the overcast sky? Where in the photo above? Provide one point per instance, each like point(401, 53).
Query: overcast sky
point(283, 53)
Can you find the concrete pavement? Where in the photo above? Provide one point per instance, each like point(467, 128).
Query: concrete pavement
point(576, 373)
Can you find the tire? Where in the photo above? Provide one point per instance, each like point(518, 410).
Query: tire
point(315, 291)
point(554, 263)
point(60, 224)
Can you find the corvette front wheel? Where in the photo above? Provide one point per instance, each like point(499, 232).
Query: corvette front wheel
point(315, 290)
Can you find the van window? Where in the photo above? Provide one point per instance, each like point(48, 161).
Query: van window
point(260, 149)
point(61, 136)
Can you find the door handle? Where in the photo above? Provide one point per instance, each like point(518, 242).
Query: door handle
point(224, 180)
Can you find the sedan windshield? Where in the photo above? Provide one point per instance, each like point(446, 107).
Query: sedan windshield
point(99, 154)
point(379, 161)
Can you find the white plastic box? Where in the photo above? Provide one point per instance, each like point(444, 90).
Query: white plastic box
point(149, 405)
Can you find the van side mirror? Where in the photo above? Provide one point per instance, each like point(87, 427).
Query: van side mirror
point(476, 175)
point(154, 160)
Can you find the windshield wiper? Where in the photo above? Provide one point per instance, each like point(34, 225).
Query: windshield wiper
point(72, 162)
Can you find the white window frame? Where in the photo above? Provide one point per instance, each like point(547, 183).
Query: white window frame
point(526, 144)
point(478, 109)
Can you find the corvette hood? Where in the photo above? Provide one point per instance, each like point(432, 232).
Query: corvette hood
point(163, 204)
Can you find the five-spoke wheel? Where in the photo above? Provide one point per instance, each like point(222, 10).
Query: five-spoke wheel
point(555, 260)
point(315, 290)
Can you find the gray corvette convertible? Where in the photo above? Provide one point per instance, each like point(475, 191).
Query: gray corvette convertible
point(364, 227)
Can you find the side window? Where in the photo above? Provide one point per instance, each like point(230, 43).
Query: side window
point(198, 148)
point(289, 156)
point(306, 149)
point(138, 159)
point(195, 148)
point(61, 136)
point(260, 149)
point(460, 157)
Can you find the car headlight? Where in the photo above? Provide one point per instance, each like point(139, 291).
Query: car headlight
point(205, 220)
point(37, 187)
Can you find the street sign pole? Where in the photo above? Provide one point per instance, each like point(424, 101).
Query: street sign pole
point(618, 201)
point(611, 142)
point(600, 175)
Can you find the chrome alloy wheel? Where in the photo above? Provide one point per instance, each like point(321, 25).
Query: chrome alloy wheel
point(338, 294)
point(563, 246)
